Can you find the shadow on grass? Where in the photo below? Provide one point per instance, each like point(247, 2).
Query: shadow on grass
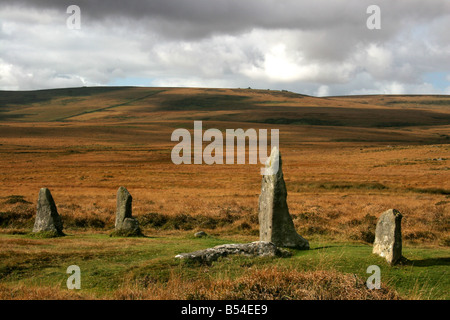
point(429, 262)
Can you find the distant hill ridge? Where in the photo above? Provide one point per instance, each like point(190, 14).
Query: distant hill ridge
point(140, 104)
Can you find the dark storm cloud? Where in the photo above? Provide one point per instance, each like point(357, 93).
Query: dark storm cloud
point(199, 18)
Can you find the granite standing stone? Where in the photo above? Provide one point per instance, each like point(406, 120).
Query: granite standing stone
point(275, 222)
point(125, 223)
point(388, 236)
point(47, 217)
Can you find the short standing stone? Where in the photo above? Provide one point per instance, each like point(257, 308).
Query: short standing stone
point(125, 223)
point(275, 222)
point(388, 236)
point(47, 217)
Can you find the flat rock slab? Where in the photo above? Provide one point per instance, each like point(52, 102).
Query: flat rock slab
point(253, 249)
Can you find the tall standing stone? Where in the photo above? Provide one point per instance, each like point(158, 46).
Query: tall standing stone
point(47, 217)
point(125, 225)
point(388, 236)
point(275, 222)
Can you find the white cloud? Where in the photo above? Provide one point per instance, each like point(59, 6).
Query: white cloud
point(323, 91)
point(378, 60)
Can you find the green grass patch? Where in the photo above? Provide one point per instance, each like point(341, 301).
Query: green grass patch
point(108, 264)
point(45, 234)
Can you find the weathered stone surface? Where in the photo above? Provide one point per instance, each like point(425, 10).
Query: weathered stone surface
point(47, 217)
point(200, 234)
point(388, 236)
point(275, 222)
point(253, 249)
point(130, 224)
point(123, 206)
point(125, 223)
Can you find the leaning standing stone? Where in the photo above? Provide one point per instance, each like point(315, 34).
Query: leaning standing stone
point(47, 218)
point(125, 225)
point(388, 236)
point(275, 222)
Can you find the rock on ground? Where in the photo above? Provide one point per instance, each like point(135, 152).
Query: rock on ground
point(200, 234)
point(388, 236)
point(253, 249)
point(275, 222)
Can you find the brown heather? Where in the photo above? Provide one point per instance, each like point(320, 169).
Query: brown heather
point(266, 284)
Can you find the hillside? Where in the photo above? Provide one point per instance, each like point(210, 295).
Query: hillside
point(411, 119)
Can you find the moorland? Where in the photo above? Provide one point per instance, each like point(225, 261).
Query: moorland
point(346, 160)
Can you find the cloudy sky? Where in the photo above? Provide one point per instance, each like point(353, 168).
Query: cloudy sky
point(312, 47)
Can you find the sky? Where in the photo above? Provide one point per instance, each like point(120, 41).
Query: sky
point(319, 47)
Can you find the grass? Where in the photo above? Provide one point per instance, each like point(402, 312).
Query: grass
point(146, 268)
point(45, 234)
